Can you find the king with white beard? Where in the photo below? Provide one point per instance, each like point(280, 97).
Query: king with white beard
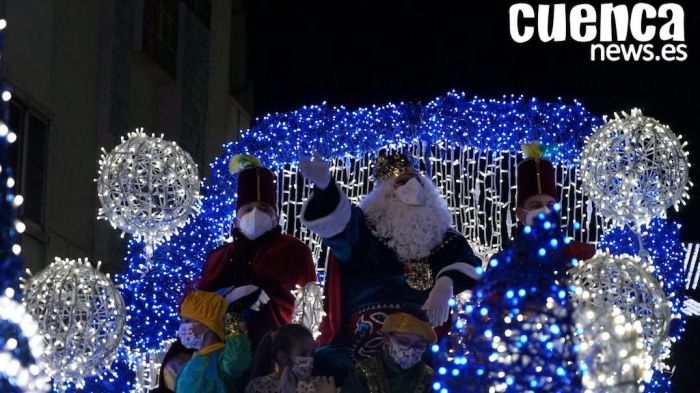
point(397, 251)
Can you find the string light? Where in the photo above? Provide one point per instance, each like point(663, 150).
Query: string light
point(147, 187)
point(19, 331)
point(467, 146)
point(611, 353)
point(81, 317)
point(659, 243)
point(634, 168)
point(628, 284)
point(516, 335)
point(448, 125)
point(21, 347)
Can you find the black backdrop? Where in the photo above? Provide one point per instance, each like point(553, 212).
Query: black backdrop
point(364, 52)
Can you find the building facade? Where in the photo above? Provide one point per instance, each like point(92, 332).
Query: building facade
point(83, 74)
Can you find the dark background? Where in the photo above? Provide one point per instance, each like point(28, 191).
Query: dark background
point(359, 53)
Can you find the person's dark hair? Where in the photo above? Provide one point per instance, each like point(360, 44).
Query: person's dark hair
point(282, 340)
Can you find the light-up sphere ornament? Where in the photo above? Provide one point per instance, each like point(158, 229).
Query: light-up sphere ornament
point(607, 281)
point(81, 316)
point(634, 168)
point(612, 357)
point(30, 378)
point(148, 187)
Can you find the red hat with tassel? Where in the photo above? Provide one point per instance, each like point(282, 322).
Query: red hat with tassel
point(535, 174)
point(255, 183)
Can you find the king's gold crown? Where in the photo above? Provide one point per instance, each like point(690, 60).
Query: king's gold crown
point(393, 165)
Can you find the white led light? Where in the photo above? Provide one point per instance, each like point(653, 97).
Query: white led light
point(148, 187)
point(634, 168)
point(64, 298)
point(627, 285)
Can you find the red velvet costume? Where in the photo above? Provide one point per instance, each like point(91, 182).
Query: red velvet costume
point(274, 262)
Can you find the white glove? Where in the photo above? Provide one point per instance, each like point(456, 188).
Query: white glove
point(235, 293)
point(316, 171)
point(437, 306)
point(262, 300)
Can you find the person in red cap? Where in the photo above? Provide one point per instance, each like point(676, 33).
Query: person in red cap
point(260, 268)
point(537, 193)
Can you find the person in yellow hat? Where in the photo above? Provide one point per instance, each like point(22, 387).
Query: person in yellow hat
point(399, 367)
point(218, 361)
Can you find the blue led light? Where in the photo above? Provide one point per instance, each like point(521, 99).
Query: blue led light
point(277, 139)
point(663, 243)
point(541, 252)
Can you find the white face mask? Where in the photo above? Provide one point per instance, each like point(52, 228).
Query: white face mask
point(188, 338)
point(411, 193)
point(531, 214)
point(302, 366)
point(255, 223)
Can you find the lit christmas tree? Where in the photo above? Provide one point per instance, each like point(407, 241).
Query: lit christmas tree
point(516, 334)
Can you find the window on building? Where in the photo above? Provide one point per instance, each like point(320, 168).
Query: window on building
point(29, 156)
point(201, 9)
point(160, 25)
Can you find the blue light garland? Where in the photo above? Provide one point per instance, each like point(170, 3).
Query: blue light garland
point(521, 320)
point(661, 240)
point(277, 140)
point(14, 341)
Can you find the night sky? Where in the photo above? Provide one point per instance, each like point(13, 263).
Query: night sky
point(358, 53)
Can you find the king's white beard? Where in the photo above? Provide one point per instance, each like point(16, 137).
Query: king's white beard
point(411, 231)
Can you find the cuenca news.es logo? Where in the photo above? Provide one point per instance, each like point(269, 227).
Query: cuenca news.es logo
point(620, 32)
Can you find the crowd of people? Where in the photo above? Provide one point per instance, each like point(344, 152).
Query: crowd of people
point(395, 262)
